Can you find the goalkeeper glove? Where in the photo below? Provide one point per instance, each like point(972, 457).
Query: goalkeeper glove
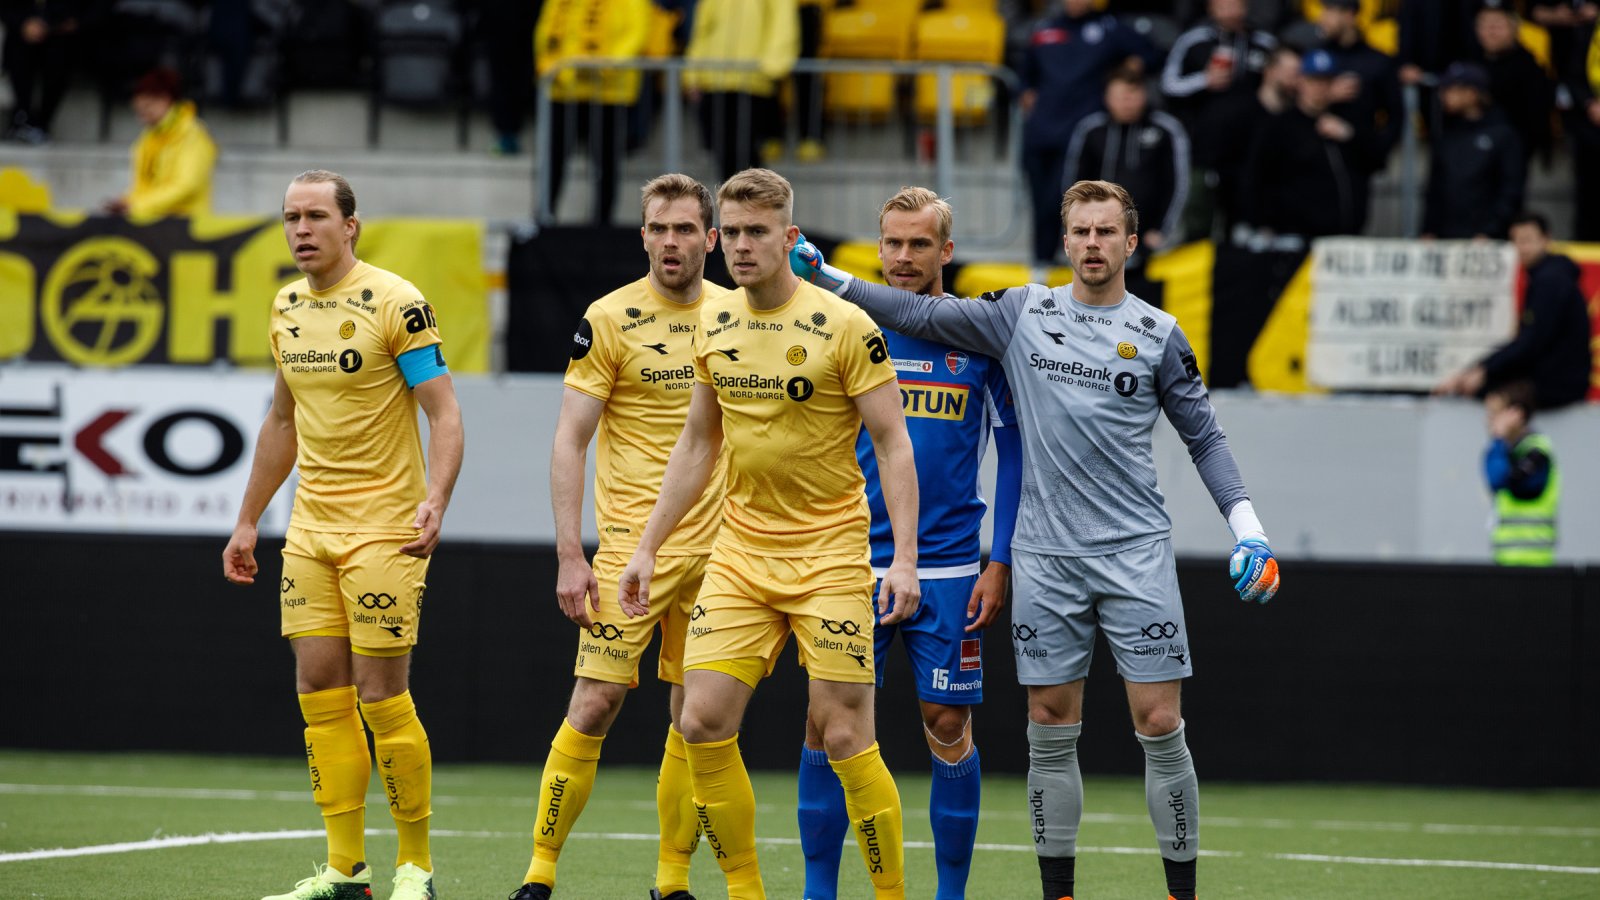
point(1253, 569)
point(805, 260)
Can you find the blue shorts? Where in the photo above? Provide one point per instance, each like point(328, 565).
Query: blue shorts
point(947, 661)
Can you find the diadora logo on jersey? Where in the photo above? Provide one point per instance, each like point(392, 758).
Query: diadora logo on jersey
point(932, 400)
point(956, 362)
point(732, 355)
point(1057, 336)
point(294, 331)
point(913, 365)
point(659, 348)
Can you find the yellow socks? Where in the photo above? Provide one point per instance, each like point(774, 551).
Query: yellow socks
point(680, 827)
point(726, 807)
point(336, 752)
point(407, 769)
point(873, 803)
point(563, 790)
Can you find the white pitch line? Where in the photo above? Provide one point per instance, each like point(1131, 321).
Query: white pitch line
point(1212, 821)
point(303, 834)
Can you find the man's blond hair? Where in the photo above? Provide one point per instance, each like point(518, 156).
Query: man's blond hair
point(344, 196)
point(762, 188)
point(915, 199)
point(675, 186)
point(1094, 192)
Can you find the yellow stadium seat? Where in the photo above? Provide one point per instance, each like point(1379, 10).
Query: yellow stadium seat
point(962, 36)
point(20, 193)
point(863, 33)
point(970, 5)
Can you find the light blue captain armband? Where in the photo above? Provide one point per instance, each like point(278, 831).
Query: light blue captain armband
point(422, 364)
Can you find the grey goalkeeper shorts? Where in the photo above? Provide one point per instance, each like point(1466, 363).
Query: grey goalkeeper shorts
point(1132, 596)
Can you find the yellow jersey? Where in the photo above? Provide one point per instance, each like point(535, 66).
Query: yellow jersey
point(785, 378)
point(360, 455)
point(634, 350)
point(172, 165)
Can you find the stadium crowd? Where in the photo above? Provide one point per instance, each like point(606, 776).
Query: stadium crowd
point(1306, 95)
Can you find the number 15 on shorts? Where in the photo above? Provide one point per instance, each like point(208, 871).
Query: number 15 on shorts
point(941, 679)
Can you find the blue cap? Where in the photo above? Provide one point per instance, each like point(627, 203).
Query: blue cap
point(1464, 73)
point(1318, 64)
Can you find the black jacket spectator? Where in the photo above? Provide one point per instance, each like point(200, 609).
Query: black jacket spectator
point(1306, 168)
point(1065, 67)
point(1517, 82)
point(1572, 24)
point(1435, 33)
point(1298, 181)
point(1149, 157)
point(1210, 63)
point(1475, 177)
point(1552, 344)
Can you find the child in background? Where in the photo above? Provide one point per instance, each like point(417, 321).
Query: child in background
point(1521, 471)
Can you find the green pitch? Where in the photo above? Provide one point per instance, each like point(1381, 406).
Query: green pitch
point(224, 827)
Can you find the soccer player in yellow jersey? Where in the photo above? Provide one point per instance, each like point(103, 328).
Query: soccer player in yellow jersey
point(785, 375)
point(357, 351)
point(630, 378)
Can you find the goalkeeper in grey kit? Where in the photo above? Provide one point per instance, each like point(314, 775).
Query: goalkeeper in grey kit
point(1090, 366)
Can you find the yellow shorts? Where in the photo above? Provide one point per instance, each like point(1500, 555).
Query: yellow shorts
point(751, 603)
point(610, 649)
point(358, 586)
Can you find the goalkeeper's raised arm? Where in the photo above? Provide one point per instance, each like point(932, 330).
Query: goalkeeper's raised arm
point(984, 327)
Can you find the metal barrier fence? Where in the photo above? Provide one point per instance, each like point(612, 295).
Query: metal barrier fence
point(953, 127)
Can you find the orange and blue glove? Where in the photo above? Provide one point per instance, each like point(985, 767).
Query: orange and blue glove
point(1254, 570)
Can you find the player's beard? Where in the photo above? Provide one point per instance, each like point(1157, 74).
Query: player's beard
point(1104, 276)
point(686, 275)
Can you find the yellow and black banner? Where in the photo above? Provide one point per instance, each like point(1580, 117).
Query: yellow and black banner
point(106, 292)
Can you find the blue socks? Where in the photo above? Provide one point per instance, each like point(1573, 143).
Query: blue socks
point(953, 812)
point(823, 824)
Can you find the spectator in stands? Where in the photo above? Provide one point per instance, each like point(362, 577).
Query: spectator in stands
point(1572, 28)
point(1144, 150)
point(506, 30)
point(173, 157)
point(1517, 83)
point(40, 47)
point(1552, 346)
point(1302, 171)
point(1063, 72)
point(1520, 468)
point(1476, 174)
point(740, 120)
point(1433, 34)
point(589, 107)
point(1366, 93)
point(1220, 59)
point(808, 86)
point(1239, 118)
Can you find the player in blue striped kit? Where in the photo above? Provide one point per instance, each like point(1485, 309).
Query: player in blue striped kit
point(952, 400)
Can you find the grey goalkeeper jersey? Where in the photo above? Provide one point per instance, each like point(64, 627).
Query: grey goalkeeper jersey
point(1087, 382)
